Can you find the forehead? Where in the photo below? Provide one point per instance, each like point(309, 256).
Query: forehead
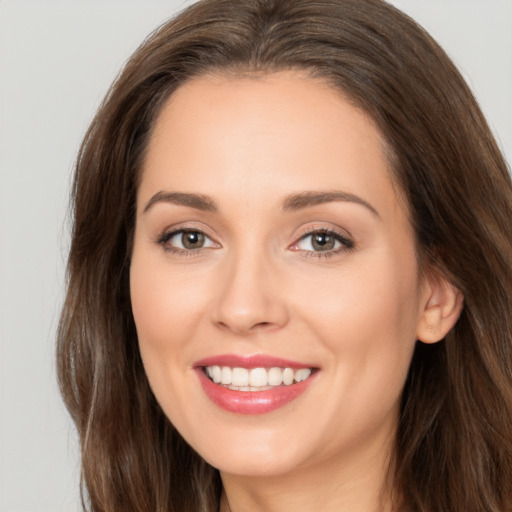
point(268, 132)
point(277, 98)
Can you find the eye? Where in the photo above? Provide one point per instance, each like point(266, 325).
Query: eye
point(319, 241)
point(186, 240)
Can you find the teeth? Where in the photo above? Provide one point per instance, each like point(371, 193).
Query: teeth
point(275, 376)
point(239, 377)
point(288, 375)
point(302, 374)
point(225, 375)
point(258, 377)
point(255, 379)
point(216, 374)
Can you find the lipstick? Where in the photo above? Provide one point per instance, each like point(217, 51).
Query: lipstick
point(255, 361)
point(287, 380)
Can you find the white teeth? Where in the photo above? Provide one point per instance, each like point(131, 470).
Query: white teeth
point(216, 374)
point(258, 377)
point(288, 375)
point(275, 376)
point(255, 379)
point(239, 377)
point(225, 375)
point(302, 374)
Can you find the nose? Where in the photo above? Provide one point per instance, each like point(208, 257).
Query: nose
point(250, 297)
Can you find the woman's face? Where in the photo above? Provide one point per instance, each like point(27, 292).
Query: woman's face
point(269, 236)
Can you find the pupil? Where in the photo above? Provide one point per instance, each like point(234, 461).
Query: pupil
point(323, 242)
point(192, 240)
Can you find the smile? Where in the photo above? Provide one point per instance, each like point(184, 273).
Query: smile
point(253, 384)
point(255, 379)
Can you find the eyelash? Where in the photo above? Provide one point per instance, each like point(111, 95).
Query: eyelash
point(166, 236)
point(346, 244)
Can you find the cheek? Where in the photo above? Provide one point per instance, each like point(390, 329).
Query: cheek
point(165, 307)
point(152, 305)
point(366, 320)
point(378, 295)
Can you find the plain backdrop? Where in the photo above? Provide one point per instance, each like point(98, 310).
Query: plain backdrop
point(57, 59)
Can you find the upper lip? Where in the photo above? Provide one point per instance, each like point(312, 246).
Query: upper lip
point(250, 361)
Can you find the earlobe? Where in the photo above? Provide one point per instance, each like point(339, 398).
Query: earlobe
point(442, 306)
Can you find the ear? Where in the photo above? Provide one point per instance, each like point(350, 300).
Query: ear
point(441, 307)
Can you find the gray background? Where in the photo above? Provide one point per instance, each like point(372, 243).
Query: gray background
point(56, 61)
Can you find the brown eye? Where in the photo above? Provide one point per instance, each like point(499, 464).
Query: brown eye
point(322, 242)
point(186, 240)
point(192, 239)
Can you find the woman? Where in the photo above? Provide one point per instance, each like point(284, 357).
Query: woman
point(289, 279)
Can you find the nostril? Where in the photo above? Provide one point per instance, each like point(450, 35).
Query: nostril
point(261, 325)
point(247, 329)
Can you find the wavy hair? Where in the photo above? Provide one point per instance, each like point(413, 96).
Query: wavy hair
point(454, 440)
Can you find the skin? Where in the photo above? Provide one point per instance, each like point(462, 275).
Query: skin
point(259, 287)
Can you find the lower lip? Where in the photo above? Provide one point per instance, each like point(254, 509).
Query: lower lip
point(252, 402)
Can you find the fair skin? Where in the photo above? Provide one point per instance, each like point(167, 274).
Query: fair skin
point(332, 283)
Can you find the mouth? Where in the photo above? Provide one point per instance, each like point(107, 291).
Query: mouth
point(255, 379)
point(254, 384)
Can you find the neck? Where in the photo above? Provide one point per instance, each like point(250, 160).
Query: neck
point(343, 484)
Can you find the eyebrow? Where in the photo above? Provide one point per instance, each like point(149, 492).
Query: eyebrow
point(197, 201)
point(308, 199)
point(293, 202)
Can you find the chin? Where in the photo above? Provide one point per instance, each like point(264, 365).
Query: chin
point(246, 463)
point(257, 451)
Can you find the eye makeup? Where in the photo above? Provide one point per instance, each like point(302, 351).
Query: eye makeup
point(316, 242)
point(322, 242)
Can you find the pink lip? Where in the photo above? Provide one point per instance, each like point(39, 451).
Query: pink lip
point(255, 361)
point(251, 402)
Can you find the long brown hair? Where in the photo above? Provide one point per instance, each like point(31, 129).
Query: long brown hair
point(454, 441)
